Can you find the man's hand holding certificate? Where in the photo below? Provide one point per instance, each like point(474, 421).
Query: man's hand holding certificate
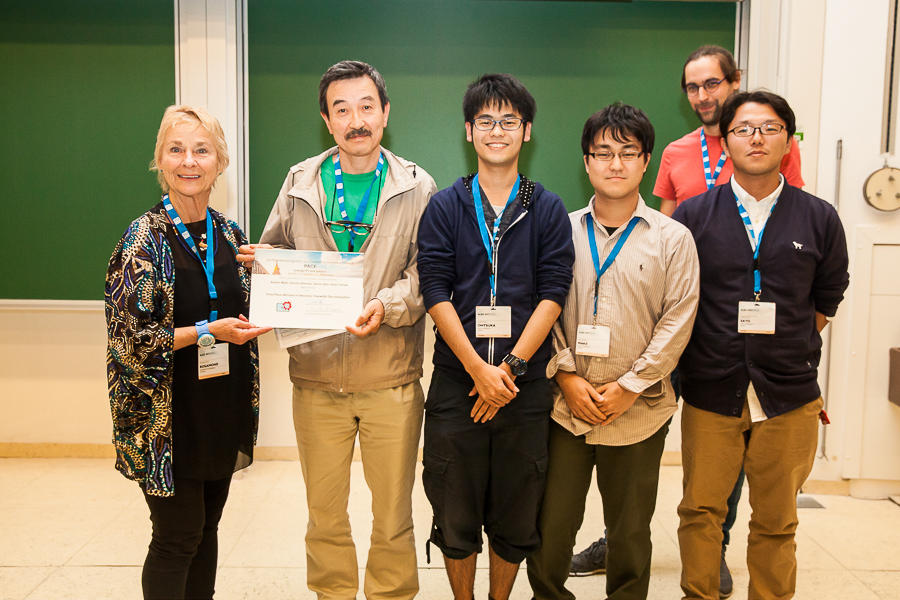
point(303, 289)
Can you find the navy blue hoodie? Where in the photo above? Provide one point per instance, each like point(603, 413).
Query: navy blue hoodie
point(534, 263)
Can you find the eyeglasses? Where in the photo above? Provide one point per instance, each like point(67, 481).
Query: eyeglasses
point(710, 85)
point(607, 155)
point(750, 130)
point(506, 123)
point(351, 226)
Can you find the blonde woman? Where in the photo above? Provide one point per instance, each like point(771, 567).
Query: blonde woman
point(182, 362)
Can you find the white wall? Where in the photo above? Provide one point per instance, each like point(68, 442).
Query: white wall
point(210, 71)
point(785, 56)
point(53, 374)
point(863, 445)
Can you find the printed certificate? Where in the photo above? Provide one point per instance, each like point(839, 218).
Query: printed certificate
point(306, 289)
point(294, 337)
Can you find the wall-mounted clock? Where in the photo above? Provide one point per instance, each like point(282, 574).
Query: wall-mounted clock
point(882, 189)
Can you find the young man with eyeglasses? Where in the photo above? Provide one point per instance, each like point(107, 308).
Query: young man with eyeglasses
point(495, 263)
point(626, 320)
point(359, 197)
point(696, 162)
point(690, 166)
point(773, 269)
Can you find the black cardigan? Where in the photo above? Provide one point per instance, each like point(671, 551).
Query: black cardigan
point(803, 263)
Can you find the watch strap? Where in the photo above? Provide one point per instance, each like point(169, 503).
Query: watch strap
point(203, 333)
point(518, 366)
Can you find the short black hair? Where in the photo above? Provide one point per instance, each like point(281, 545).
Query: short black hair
point(498, 89)
point(621, 121)
point(725, 58)
point(778, 104)
point(350, 69)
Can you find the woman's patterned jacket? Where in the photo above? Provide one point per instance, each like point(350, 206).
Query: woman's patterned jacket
point(140, 300)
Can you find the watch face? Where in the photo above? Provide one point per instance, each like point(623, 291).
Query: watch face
point(206, 340)
point(517, 365)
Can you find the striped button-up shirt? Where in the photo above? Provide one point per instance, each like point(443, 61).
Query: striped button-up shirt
point(648, 299)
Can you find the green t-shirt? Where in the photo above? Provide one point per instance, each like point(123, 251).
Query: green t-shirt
point(355, 186)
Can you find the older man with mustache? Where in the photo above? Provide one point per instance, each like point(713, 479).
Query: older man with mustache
point(359, 197)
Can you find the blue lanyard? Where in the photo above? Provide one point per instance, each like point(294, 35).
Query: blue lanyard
point(490, 241)
point(209, 266)
point(339, 191)
point(710, 177)
point(756, 242)
point(595, 256)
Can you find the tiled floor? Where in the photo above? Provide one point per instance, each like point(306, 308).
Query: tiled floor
point(75, 529)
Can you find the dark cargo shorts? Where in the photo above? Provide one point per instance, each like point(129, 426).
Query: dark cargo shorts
point(488, 475)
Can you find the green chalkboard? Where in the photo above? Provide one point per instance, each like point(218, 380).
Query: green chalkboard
point(84, 86)
point(575, 58)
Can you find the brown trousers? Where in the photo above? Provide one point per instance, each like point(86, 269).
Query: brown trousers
point(777, 455)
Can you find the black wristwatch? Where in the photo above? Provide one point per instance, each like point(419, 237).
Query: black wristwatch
point(518, 366)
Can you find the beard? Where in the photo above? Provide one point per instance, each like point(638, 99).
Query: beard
point(712, 118)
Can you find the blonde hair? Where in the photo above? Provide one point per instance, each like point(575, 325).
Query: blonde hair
point(182, 113)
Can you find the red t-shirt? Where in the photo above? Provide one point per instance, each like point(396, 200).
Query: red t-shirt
point(681, 173)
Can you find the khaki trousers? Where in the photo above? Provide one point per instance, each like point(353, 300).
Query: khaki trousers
point(777, 455)
point(389, 423)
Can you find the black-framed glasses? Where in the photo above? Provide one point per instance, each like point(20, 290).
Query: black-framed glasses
point(506, 123)
point(749, 130)
point(710, 85)
point(353, 227)
point(608, 155)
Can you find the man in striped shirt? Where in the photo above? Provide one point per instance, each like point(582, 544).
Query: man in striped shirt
point(626, 320)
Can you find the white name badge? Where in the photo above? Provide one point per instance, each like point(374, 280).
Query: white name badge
point(493, 321)
point(592, 340)
point(212, 361)
point(756, 317)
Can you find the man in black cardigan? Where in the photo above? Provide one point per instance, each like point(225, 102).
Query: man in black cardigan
point(773, 269)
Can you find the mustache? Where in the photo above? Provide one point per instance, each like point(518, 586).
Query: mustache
point(362, 131)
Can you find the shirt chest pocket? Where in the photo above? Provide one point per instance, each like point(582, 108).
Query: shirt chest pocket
point(793, 260)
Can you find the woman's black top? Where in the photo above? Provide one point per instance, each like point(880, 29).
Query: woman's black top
point(212, 419)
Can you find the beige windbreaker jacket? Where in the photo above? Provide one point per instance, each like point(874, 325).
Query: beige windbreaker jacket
point(393, 355)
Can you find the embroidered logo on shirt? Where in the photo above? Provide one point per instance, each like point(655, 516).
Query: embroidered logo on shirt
point(798, 246)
